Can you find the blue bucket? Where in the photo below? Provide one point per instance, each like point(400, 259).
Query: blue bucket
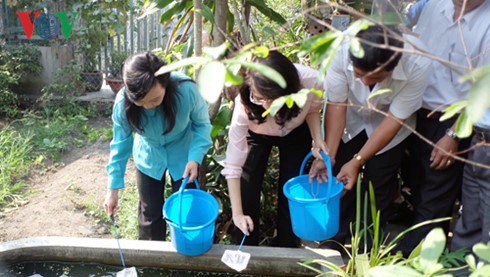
point(314, 207)
point(191, 215)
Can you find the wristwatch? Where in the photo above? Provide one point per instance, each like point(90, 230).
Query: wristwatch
point(359, 158)
point(450, 133)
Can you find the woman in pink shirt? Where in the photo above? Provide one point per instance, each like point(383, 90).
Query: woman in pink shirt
point(251, 138)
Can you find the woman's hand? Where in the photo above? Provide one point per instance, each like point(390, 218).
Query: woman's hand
point(244, 222)
point(111, 201)
point(317, 146)
point(191, 170)
point(318, 170)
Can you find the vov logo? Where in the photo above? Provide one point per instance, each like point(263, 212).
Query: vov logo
point(47, 25)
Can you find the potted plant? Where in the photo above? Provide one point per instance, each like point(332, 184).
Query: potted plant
point(91, 75)
point(114, 70)
point(100, 20)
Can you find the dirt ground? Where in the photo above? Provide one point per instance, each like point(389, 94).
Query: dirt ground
point(55, 204)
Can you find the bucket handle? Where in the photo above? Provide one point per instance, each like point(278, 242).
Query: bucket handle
point(181, 191)
point(328, 164)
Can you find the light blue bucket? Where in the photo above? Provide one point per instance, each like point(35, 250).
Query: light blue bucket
point(314, 207)
point(191, 215)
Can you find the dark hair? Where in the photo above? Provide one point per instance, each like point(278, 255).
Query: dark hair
point(375, 56)
point(270, 89)
point(139, 77)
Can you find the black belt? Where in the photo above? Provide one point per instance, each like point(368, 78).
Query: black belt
point(481, 133)
point(425, 113)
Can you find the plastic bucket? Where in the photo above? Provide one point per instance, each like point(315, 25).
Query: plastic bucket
point(314, 207)
point(191, 216)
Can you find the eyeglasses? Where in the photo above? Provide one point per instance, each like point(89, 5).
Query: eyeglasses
point(257, 101)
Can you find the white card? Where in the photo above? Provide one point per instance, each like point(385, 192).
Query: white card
point(127, 272)
point(237, 260)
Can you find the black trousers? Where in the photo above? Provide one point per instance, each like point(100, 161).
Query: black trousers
point(292, 150)
point(151, 225)
point(434, 192)
point(381, 170)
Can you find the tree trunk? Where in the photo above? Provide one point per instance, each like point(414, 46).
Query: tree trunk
point(220, 28)
point(197, 28)
point(219, 37)
point(2, 21)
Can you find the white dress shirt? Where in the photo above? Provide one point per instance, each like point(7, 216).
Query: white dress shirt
point(407, 82)
point(450, 41)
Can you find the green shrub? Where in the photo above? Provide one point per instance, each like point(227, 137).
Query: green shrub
point(15, 63)
point(14, 163)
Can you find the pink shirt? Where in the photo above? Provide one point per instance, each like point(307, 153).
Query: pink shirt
point(237, 149)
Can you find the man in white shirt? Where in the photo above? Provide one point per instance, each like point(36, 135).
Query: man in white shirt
point(367, 134)
point(457, 32)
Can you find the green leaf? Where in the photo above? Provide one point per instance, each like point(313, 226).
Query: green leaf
point(483, 271)
point(211, 80)
point(317, 92)
point(453, 110)
point(261, 6)
point(464, 126)
point(275, 106)
point(233, 79)
point(300, 97)
point(475, 74)
point(153, 6)
point(262, 69)
point(230, 21)
point(330, 55)
point(362, 264)
point(267, 29)
point(289, 102)
point(479, 99)
point(216, 52)
point(471, 261)
point(393, 270)
point(482, 250)
point(221, 120)
point(207, 13)
point(223, 117)
point(318, 43)
point(388, 18)
point(356, 48)
point(432, 248)
point(196, 61)
point(260, 51)
point(453, 258)
point(356, 26)
point(379, 92)
point(176, 9)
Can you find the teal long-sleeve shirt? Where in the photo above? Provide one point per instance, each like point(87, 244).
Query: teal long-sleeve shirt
point(153, 151)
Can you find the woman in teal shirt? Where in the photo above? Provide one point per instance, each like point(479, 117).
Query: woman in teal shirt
point(163, 121)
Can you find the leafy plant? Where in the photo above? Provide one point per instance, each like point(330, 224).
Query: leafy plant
point(14, 163)
point(101, 19)
point(66, 83)
point(173, 9)
point(428, 260)
point(115, 63)
point(362, 259)
point(15, 64)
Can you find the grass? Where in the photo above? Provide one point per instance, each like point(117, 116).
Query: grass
point(39, 138)
point(14, 164)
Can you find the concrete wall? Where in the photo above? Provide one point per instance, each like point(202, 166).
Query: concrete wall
point(52, 58)
point(268, 261)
